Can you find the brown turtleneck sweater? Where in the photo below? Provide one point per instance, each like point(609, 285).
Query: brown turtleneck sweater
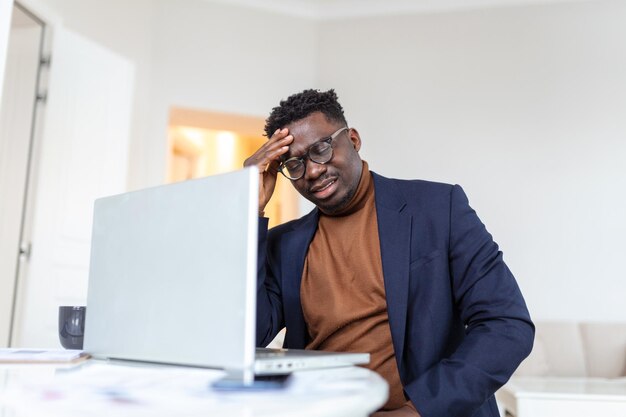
point(343, 292)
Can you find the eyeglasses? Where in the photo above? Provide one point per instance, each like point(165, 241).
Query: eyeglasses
point(320, 152)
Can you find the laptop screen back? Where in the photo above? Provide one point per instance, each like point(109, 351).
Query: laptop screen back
point(173, 271)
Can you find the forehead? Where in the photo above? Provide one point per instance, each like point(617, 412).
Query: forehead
point(309, 130)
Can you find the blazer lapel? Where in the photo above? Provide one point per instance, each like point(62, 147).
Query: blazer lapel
point(394, 230)
point(294, 248)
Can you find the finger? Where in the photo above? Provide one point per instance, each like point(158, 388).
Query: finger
point(271, 150)
point(273, 167)
point(273, 154)
point(279, 134)
point(278, 139)
point(282, 138)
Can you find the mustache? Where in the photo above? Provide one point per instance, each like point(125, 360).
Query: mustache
point(321, 182)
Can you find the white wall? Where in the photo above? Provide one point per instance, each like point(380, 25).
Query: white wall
point(230, 59)
point(196, 54)
point(525, 107)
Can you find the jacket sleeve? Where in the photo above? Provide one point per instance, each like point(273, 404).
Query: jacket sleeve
point(269, 311)
point(498, 331)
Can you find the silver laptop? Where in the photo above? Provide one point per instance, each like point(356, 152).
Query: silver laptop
point(172, 279)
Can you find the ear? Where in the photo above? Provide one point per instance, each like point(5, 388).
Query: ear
point(355, 138)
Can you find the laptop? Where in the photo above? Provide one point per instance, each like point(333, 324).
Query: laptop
point(173, 277)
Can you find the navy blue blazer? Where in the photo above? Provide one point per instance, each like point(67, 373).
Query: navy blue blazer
point(459, 323)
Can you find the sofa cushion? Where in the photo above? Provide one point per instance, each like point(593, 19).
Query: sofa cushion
point(605, 349)
point(558, 351)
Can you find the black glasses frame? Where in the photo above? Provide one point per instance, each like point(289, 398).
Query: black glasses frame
point(301, 159)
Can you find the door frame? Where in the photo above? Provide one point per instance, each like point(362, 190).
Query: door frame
point(10, 275)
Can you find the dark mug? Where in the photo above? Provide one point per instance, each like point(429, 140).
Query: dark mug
point(71, 326)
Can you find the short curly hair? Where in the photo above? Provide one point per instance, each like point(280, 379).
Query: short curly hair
point(300, 105)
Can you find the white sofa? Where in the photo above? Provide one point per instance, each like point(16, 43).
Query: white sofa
point(577, 349)
point(575, 368)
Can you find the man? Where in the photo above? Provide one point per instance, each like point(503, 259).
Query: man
point(401, 269)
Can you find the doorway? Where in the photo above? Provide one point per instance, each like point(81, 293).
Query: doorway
point(21, 101)
point(72, 149)
point(205, 143)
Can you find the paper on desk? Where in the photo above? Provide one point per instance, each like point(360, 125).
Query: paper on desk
point(40, 355)
point(139, 391)
point(121, 390)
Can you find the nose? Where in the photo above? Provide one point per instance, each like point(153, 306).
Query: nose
point(313, 170)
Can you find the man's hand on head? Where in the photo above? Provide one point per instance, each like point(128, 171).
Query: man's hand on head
point(267, 159)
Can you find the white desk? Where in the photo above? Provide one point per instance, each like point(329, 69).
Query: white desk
point(97, 388)
point(563, 397)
